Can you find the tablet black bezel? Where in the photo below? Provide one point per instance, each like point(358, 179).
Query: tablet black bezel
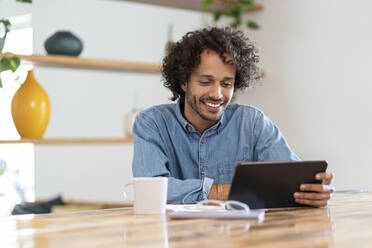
point(272, 184)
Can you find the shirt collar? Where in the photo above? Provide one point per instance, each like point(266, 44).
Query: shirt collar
point(185, 124)
point(189, 127)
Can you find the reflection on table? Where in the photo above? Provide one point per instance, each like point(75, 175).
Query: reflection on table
point(346, 222)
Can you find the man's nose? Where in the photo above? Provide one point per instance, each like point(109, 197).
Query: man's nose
point(216, 92)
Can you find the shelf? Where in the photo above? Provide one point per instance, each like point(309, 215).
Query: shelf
point(84, 63)
point(69, 141)
point(187, 4)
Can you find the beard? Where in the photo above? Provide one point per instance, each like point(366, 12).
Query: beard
point(193, 103)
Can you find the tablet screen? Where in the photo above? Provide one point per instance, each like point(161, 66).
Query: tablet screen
point(272, 184)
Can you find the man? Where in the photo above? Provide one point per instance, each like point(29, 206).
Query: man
point(198, 141)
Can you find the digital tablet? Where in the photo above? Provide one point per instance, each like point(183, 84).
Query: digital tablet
point(272, 184)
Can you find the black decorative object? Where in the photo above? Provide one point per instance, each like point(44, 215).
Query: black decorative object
point(63, 43)
point(37, 208)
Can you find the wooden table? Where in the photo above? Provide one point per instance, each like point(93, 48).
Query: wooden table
point(347, 222)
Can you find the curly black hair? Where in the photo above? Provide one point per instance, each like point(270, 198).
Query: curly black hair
point(184, 57)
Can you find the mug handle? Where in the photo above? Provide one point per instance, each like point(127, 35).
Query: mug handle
point(124, 190)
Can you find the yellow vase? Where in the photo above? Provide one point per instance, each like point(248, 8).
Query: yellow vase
point(31, 108)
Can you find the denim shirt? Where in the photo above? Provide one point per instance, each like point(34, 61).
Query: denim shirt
point(166, 145)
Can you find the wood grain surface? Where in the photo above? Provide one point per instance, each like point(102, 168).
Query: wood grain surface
point(74, 62)
point(347, 222)
point(59, 141)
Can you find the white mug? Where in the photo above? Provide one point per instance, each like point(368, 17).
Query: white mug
point(150, 194)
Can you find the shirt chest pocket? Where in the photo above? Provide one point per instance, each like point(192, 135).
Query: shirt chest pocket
point(225, 171)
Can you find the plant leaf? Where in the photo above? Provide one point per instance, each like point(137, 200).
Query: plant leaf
point(246, 5)
point(1, 84)
point(247, 2)
point(252, 25)
point(217, 15)
point(5, 22)
point(14, 63)
point(4, 64)
point(234, 25)
point(236, 15)
point(206, 5)
point(24, 1)
point(235, 8)
point(9, 63)
point(236, 12)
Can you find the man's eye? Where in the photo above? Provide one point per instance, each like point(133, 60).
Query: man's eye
point(204, 83)
point(227, 85)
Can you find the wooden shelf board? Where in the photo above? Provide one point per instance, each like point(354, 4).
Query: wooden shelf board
point(69, 141)
point(187, 4)
point(85, 63)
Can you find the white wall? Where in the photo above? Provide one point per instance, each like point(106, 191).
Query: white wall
point(317, 55)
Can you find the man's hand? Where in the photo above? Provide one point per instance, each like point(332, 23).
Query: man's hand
point(320, 194)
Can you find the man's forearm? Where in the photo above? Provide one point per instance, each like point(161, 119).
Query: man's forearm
point(213, 193)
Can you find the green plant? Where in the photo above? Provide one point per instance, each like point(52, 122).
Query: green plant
point(233, 9)
point(8, 63)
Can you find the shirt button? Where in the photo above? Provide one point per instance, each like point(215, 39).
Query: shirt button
point(189, 128)
point(204, 169)
point(203, 141)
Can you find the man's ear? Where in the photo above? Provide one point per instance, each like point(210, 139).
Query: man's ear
point(184, 87)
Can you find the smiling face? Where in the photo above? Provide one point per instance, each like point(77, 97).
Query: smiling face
point(209, 90)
